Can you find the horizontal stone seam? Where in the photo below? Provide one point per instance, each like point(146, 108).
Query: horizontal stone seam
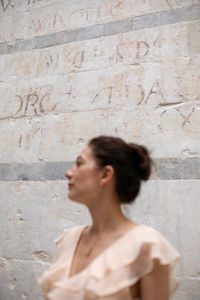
point(23, 261)
point(168, 168)
point(189, 277)
point(183, 14)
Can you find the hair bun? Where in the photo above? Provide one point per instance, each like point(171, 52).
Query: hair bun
point(141, 160)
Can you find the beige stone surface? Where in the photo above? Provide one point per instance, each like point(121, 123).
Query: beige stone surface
point(37, 212)
point(154, 44)
point(10, 33)
point(193, 31)
point(143, 86)
point(18, 66)
point(35, 18)
point(153, 102)
point(69, 134)
point(20, 140)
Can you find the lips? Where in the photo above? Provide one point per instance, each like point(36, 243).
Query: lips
point(70, 185)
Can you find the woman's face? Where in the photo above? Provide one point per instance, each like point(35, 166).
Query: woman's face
point(84, 178)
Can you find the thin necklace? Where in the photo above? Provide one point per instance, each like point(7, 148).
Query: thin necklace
point(91, 248)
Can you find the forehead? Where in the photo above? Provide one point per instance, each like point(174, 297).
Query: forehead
point(86, 153)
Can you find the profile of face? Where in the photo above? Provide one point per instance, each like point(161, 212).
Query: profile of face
point(84, 178)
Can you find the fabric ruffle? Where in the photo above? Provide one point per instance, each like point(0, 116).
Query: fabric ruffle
point(121, 265)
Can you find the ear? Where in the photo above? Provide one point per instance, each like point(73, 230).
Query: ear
point(107, 174)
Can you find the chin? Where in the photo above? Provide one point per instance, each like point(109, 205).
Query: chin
point(76, 199)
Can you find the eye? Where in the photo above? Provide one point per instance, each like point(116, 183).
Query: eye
point(78, 163)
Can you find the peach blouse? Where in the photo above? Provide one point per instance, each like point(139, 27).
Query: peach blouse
point(110, 274)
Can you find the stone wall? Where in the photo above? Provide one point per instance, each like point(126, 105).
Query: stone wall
point(70, 70)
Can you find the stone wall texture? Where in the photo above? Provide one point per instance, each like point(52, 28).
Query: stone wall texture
point(70, 70)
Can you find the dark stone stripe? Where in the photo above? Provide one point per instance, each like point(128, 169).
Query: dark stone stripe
point(165, 169)
point(183, 14)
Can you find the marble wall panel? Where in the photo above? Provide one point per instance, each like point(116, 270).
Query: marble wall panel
point(35, 18)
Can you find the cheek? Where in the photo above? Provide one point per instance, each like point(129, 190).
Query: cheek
point(87, 178)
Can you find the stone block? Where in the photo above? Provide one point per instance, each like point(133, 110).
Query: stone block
point(185, 14)
point(20, 140)
point(10, 33)
point(170, 169)
point(188, 290)
point(193, 32)
point(20, 65)
point(7, 172)
point(154, 44)
point(146, 21)
point(191, 168)
point(47, 41)
point(3, 48)
point(175, 203)
point(68, 36)
point(91, 32)
point(23, 45)
point(168, 17)
point(36, 214)
point(30, 172)
point(19, 279)
point(64, 137)
point(118, 27)
point(56, 170)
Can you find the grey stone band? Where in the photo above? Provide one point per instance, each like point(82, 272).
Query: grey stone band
point(183, 14)
point(165, 169)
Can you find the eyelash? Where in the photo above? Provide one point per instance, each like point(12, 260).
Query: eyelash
point(78, 163)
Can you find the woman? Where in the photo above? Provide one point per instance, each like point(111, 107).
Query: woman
point(114, 258)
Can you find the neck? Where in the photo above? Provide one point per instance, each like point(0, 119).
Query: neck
point(106, 215)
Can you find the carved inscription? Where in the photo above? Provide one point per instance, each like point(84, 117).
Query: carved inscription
point(173, 3)
point(7, 3)
point(57, 20)
point(185, 119)
point(31, 105)
point(33, 1)
point(41, 24)
point(82, 14)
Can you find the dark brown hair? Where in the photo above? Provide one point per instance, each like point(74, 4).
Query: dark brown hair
point(131, 164)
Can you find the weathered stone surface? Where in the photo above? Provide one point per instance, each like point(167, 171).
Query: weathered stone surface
point(61, 17)
point(18, 139)
point(152, 20)
point(163, 169)
point(191, 168)
point(193, 30)
point(120, 27)
point(18, 286)
point(171, 169)
point(188, 290)
point(142, 85)
point(38, 212)
point(54, 170)
point(173, 208)
point(88, 33)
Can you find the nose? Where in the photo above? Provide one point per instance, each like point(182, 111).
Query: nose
point(68, 174)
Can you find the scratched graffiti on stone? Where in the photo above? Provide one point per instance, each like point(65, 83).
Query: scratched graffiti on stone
point(33, 1)
point(47, 22)
point(84, 14)
point(186, 119)
point(62, 21)
point(180, 115)
point(31, 105)
point(5, 4)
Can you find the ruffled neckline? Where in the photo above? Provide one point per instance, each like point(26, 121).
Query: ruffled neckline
point(80, 231)
point(125, 261)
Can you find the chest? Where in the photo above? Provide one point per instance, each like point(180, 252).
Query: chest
point(85, 253)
